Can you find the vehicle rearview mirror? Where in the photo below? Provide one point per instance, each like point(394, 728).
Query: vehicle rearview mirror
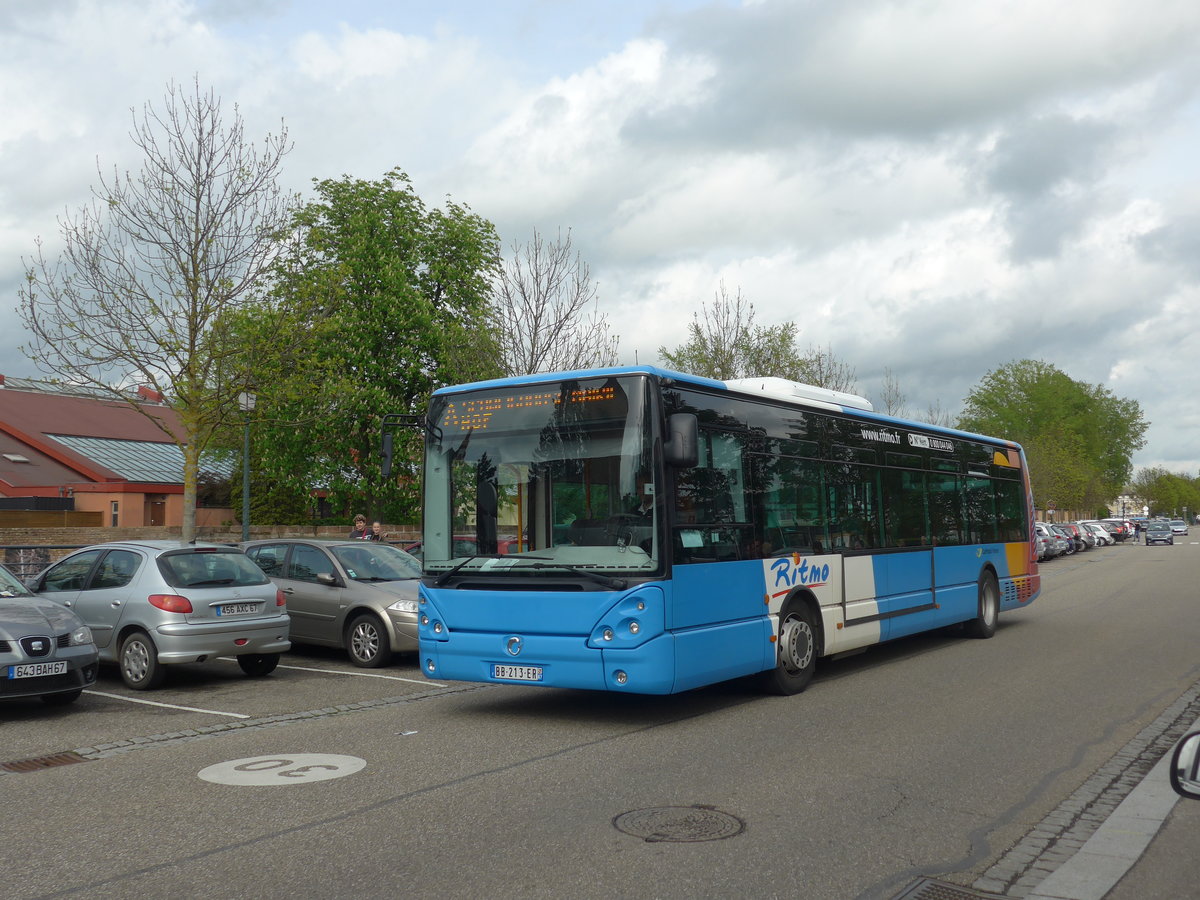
point(1185, 766)
point(682, 448)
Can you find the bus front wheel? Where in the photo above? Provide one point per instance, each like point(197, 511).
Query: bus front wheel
point(984, 624)
point(796, 652)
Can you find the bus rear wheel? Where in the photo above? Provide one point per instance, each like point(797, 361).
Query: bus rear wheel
point(984, 624)
point(796, 652)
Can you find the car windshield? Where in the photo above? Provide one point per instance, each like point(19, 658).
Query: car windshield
point(566, 468)
point(10, 586)
point(1158, 526)
point(209, 568)
point(377, 562)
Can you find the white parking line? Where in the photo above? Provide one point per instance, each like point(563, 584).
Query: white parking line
point(364, 675)
point(213, 712)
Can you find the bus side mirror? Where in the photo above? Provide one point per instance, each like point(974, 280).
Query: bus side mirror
point(1185, 767)
point(385, 451)
point(683, 445)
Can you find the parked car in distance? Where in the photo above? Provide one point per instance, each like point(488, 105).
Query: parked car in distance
point(1054, 543)
point(357, 595)
point(1102, 536)
point(45, 649)
point(151, 604)
point(1085, 534)
point(1121, 528)
point(1159, 533)
point(1178, 526)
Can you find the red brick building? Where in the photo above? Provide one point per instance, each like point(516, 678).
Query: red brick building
point(104, 455)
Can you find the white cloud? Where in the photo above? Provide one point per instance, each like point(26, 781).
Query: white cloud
point(935, 187)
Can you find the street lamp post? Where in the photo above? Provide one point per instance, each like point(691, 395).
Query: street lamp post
point(246, 405)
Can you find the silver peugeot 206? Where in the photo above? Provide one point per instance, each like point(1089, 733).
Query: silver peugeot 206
point(153, 603)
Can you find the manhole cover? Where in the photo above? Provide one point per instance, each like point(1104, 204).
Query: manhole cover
point(679, 824)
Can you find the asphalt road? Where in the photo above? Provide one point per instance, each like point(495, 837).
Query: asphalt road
point(928, 757)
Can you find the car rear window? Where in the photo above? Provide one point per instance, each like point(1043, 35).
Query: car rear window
point(208, 568)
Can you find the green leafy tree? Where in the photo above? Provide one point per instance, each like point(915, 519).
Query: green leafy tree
point(149, 269)
point(384, 300)
point(1166, 493)
point(1079, 438)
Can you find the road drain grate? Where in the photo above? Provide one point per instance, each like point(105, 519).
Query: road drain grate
point(679, 824)
point(928, 889)
point(42, 762)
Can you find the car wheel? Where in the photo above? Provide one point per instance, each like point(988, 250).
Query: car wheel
point(368, 643)
point(138, 659)
point(984, 624)
point(62, 699)
point(796, 656)
point(256, 665)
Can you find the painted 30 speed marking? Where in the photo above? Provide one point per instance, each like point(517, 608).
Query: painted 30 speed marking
point(284, 768)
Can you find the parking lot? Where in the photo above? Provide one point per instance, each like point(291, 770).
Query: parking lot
point(309, 682)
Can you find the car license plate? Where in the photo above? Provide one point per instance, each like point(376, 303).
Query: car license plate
point(236, 609)
point(37, 670)
point(517, 673)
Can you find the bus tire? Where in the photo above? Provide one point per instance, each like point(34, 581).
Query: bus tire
point(796, 651)
point(984, 623)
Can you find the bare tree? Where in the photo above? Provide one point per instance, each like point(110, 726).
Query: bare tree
point(935, 415)
point(150, 265)
point(548, 309)
point(820, 368)
point(892, 397)
point(723, 342)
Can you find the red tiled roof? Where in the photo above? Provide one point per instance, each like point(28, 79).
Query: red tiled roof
point(28, 417)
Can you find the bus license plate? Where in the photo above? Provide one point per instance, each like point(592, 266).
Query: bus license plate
point(237, 609)
point(37, 670)
point(517, 673)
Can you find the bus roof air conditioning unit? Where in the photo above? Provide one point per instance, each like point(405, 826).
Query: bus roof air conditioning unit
point(783, 389)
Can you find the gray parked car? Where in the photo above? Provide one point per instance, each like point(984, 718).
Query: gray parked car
point(360, 595)
point(153, 603)
point(45, 650)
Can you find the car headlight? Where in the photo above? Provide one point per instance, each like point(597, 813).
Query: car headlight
point(407, 606)
point(81, 635)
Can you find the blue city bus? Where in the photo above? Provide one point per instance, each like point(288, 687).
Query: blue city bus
point(641, 530)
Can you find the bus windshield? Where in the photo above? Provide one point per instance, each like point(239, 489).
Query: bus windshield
point(547, 477)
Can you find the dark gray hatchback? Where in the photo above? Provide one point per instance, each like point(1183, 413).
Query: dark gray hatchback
point(45, 650)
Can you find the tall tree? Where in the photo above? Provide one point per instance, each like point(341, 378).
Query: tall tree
point(547, 304)
point(387, 300)
point(154, 261)
point(723, 342)
point(1080, 438)
point(891, 396)
point(819, 367)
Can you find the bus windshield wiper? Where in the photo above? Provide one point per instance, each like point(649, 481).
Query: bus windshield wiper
point(614, 583)
point(445, 576)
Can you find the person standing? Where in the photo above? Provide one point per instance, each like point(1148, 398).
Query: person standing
point(376, 532)
point(359, 532)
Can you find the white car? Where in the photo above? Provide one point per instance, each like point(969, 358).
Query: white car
point(1102, 535)
point(1178, 526)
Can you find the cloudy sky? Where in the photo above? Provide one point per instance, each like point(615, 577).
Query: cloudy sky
point(930, 187)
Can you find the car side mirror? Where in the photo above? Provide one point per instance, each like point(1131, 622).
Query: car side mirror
point(682, 448)
point(1185, 766)
point(327, 578)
